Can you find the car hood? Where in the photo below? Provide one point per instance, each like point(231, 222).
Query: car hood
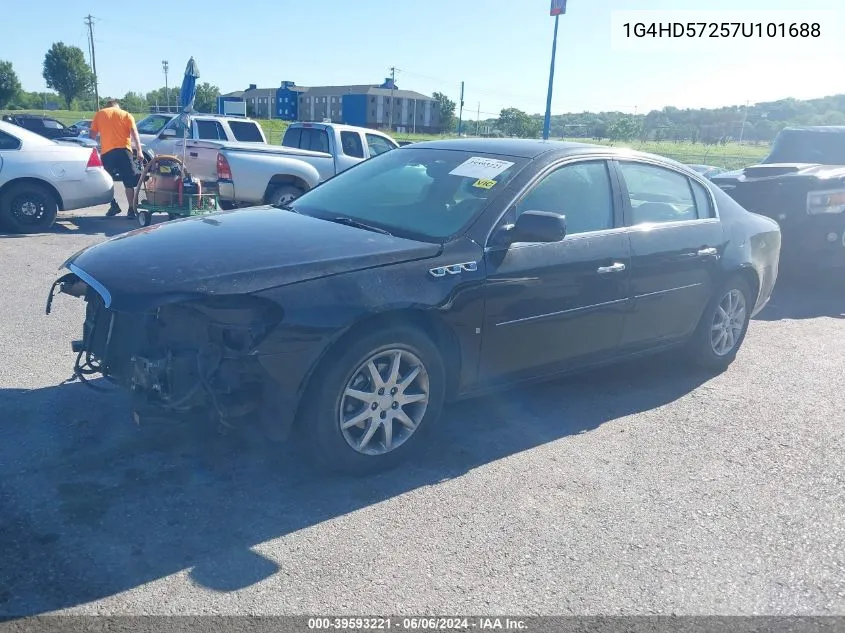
point(231, 252)
point(769, 171)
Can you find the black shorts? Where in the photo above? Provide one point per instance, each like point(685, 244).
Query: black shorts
point(121, 166)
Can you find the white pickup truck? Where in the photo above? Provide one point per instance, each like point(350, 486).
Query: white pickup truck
point(249, 173)
point(171, 135)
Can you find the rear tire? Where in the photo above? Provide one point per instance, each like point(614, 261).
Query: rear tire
point(723, 326)
point(283, 195)
point(409, 400)
point(28, 208)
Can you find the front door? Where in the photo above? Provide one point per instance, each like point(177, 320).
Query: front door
point(676, 245)
point(175, 143)
point(549, 305)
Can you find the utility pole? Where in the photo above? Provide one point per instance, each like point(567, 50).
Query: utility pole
point(392, 91)
point(557, 9)
point(415, 116)
point(89, 22)
point(165, 66)
point(744, 119)
point(461, 111)
point(478, 119)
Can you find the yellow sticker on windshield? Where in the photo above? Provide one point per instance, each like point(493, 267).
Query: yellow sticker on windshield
point(483, 183)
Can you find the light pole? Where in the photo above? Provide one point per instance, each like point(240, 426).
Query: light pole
point(164, 67)
point(557, 9)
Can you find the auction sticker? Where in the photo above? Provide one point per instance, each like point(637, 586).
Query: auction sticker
point(481, 168)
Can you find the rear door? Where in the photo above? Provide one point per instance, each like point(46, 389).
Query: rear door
point(676, 245)
point(351, 150)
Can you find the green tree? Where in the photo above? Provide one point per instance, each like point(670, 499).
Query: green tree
point(623, 129)
point(206, 99)
point(447, 111)
point(515, 122)
point(134, 102)
point(66, 72)
point(10, 85)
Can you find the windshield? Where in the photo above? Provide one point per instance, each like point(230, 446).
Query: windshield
point(804, 146)
point(152, 124)
point(425, 194)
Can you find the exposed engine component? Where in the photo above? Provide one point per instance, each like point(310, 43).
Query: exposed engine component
point(181, 357)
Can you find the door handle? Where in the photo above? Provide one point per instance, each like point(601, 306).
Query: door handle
point(708, 252)
point(193, 154)
point(617, 267)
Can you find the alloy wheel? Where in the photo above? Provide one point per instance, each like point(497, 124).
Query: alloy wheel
point(384, 402)
point(728, 322)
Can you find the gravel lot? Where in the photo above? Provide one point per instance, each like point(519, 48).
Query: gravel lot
point(640, 489)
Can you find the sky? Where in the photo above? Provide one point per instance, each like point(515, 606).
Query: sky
point(501, 49)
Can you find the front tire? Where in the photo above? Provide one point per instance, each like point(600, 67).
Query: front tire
point(374, 400)
point(283, 195)
point(723, 326)
point(28, 208)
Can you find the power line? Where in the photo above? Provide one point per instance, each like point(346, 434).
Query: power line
point(89, 22)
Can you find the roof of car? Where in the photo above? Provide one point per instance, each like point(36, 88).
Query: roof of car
point(530, 148)
point(830, 129)
point(523, 148)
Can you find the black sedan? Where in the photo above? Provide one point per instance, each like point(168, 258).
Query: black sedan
point(437, 271)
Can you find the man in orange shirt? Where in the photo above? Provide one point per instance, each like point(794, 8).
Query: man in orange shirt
point(117, 130)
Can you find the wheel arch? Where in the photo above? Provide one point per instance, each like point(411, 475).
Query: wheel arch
point(34, 181)
point(285, 180)
point(427, 321)
point(749, 274)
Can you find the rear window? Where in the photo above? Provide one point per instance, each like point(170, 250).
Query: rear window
point(211, 130)
point(313, 139)
point(246, 131)
point(8, 142)
point(352, 146)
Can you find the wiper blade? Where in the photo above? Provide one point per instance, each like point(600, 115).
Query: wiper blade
point(360, 225)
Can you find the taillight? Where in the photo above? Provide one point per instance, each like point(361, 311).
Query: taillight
point(224, 172)
point(94, 160)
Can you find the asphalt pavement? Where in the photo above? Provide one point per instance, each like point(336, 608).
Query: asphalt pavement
point(648, 488)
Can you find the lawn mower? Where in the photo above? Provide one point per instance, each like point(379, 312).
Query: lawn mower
point(165, 186)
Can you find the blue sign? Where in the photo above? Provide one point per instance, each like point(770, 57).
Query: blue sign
point(558, 7)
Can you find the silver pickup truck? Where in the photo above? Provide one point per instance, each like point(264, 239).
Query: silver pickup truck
point(254, 173)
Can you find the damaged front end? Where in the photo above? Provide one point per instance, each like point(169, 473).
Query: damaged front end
point(196, 355)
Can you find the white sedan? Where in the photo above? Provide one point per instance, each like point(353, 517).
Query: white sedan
point(40, 177)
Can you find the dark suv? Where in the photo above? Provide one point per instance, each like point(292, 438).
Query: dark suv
point(43, 125)
point(801, 185)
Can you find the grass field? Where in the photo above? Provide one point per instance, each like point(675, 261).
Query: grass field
point(731, 155)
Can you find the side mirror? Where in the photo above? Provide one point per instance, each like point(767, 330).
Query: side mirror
point(73, 130)
point(168, 133)
point(536, 226)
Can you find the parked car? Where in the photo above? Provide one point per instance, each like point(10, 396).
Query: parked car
point(40, 177)
point(801, 185)
point(83, 127)
point(45, 126)
point(708, 171)
point(256, 173)
point(432, 272)
point(310, 153)
point(171, 137)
